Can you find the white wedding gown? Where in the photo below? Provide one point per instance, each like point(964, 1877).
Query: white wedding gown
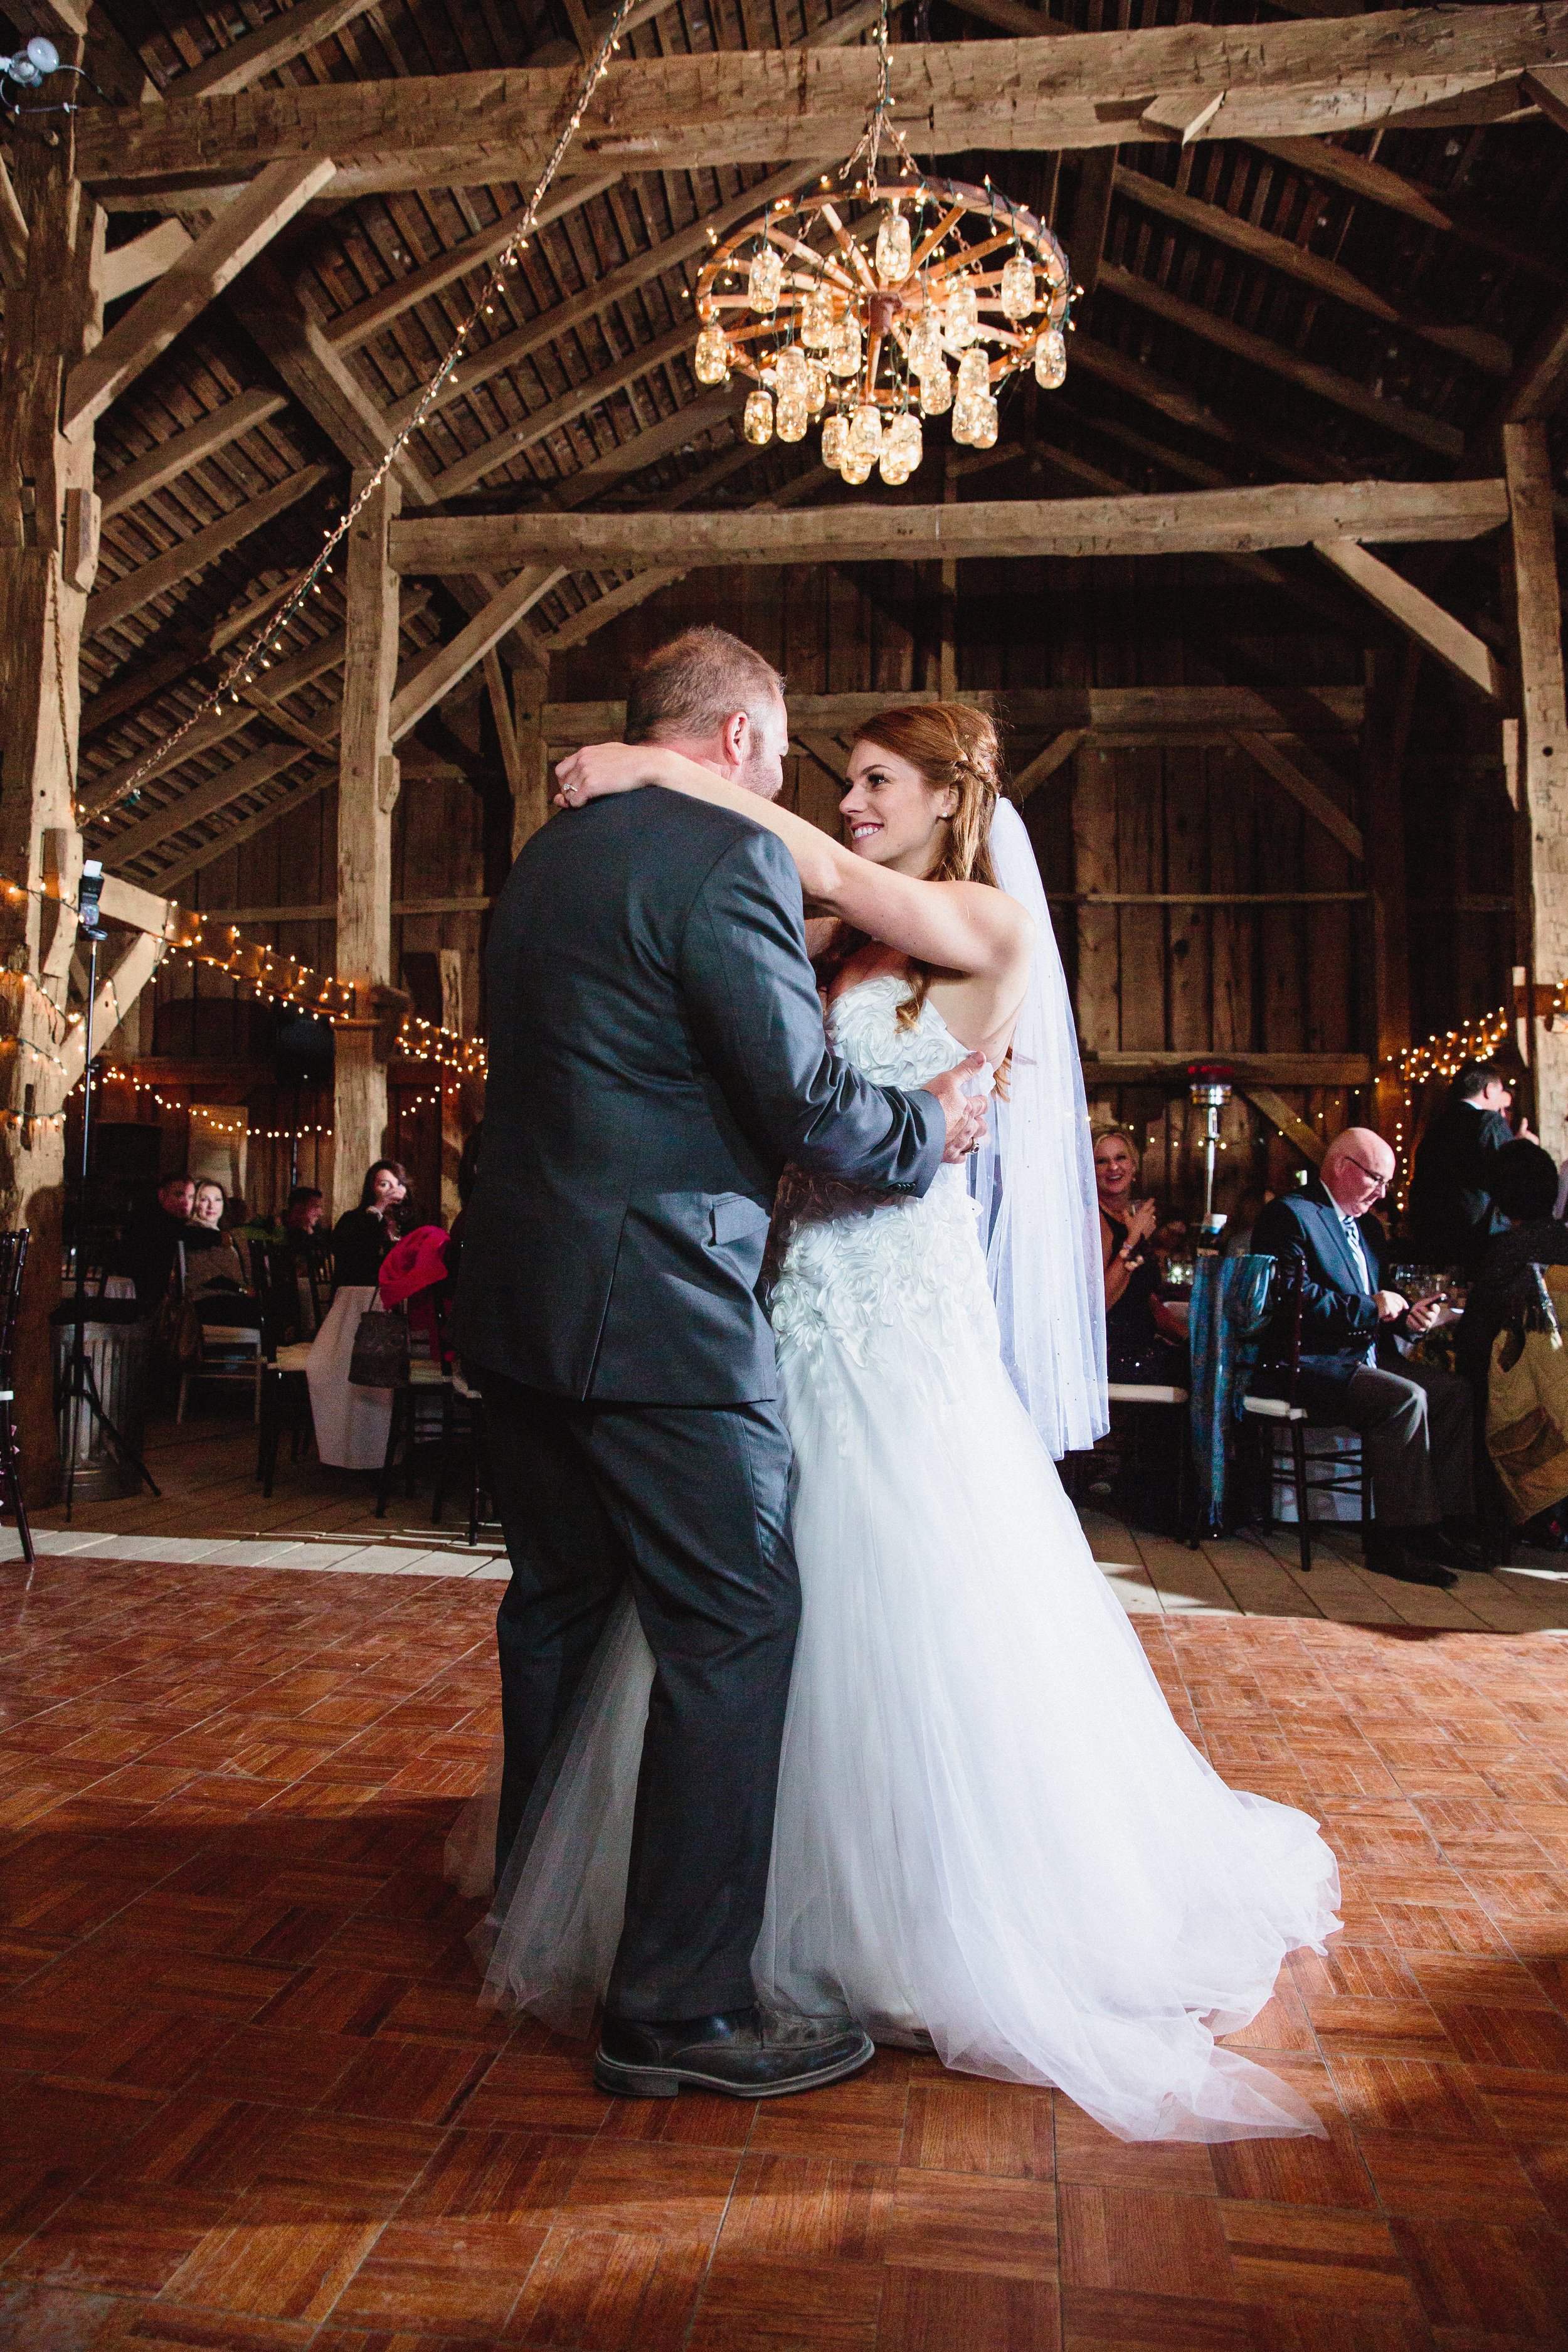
point(990, 1829)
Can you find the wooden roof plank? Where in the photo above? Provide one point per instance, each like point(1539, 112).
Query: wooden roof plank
point(181, 451)
point(1287, 514)
point(539, 422)
point(277, 43)
point(1310, 375)
point(237, 233)
point(120, 598)
point(1085, 90)
point(217, 793)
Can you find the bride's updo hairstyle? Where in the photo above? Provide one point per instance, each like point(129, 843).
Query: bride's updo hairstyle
point(957, 748)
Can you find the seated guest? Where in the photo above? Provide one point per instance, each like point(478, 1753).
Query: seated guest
point(1524, 1187)
point(1414, 1420)
point(147, 1251)
point(216, 1283)
point(1143, 1341)
point(302, 1218)
point(1453, 1212)
point(352, 1423)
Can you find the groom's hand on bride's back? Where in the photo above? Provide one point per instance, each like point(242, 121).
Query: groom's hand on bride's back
point(965, 1114)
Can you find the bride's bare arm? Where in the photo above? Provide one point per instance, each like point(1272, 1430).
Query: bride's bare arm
point(959, 927)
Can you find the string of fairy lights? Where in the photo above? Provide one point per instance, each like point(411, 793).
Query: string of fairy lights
point(267, 639)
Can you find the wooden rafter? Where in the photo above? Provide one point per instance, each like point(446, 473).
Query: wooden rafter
point(177, 454)
point(1458, 648)
point(765, 106)
point(219, 792)
point(282, 38)
point(238, 233)
point(120, 598)
point(144, 258)
point(1181, 522)
point(455, 480)
point(442, 669)
point(1258, 351)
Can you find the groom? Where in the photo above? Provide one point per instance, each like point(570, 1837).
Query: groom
point(656, 1056)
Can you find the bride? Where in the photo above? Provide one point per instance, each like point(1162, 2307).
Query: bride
point(992, 1838)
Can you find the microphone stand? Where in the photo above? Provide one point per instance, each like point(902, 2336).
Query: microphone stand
point(77, 1386)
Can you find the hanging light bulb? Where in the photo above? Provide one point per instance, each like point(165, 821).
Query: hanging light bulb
point(974, 374)
point(793, 372)
point(893, 247)
point(817, 323)
point(925, 344)
point(964, 421)
point(987, 423)
point(835, 440)
point(1016, 292)
point(865, 432)
point(961, 317)
point(764, 280)
point(712, 361)
point(1051, 360)
point(757, 423)
point(936, 393)
point(855, 470)
point(843, 350)
point(791, 418)
point(815, 386)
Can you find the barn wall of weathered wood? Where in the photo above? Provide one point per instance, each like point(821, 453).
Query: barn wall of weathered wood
point(1291, 974)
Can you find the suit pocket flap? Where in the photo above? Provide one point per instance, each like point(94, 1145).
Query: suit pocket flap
point(734, 1218)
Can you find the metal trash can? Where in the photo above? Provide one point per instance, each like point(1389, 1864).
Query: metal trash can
point(117, 1350)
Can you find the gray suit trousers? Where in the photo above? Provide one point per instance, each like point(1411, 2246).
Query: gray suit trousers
point(1416, 1423)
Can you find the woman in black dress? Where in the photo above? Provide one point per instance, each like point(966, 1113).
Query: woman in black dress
point(362, 1236)
point(1141, 1341)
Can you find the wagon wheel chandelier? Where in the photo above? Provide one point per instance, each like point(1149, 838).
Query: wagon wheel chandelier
point(846, 307)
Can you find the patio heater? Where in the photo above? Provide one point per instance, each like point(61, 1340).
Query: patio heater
point(1208, 1090)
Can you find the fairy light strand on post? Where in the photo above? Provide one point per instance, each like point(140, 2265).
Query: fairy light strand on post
point(241, 671)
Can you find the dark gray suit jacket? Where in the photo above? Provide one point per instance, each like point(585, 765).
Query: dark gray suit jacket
point(655, 1056)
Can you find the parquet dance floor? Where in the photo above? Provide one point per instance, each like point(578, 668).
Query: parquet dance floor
point(248, 2098)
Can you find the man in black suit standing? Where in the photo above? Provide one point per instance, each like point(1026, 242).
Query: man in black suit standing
point(1414, 1418)
point(1451, 1207)
point(656, 1056)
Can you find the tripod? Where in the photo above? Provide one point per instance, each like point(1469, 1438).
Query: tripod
point(77, 1385)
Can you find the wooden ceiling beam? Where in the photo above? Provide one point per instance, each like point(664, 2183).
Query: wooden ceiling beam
point(1456, 647)
point(1286, 514)
point(1122, 711)
point(239, 232)
point(1174, 402)
point(282, 38)
point(121, 597)
point(219, 792)
point(144, 258)
point(443, 669)
point(1539, 385)
point(180, 869)
point(1089, 89)
point(1309, 375)
point(1374, 183)
point(177, 454)
point(1474, 344)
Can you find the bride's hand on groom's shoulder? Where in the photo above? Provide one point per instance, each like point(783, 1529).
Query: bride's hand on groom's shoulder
point(597, 769)
point(965, 1114)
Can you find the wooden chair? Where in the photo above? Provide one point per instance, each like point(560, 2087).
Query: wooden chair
point(426, 1381)
point(1343, 1470)
point(13, 1260)
point(285, 1395)
point(231, 1353)
point(463, 1414)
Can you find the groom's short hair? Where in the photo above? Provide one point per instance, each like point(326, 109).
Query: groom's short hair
point(690, 685)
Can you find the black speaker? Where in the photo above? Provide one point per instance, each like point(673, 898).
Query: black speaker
point(303, 1048)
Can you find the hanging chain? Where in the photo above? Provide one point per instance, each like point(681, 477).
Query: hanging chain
point(879, 125)
point(240, 672)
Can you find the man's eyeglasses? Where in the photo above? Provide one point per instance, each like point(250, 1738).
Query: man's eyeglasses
point(1381, 1183)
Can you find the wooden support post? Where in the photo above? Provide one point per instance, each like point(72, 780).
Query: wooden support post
point(530, 783)
point(367, 794)
point(52, 319)
point(1531, 576)
point(1391, 680)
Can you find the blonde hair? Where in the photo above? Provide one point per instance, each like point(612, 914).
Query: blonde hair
point(1098, 1135)
point(957, 748)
